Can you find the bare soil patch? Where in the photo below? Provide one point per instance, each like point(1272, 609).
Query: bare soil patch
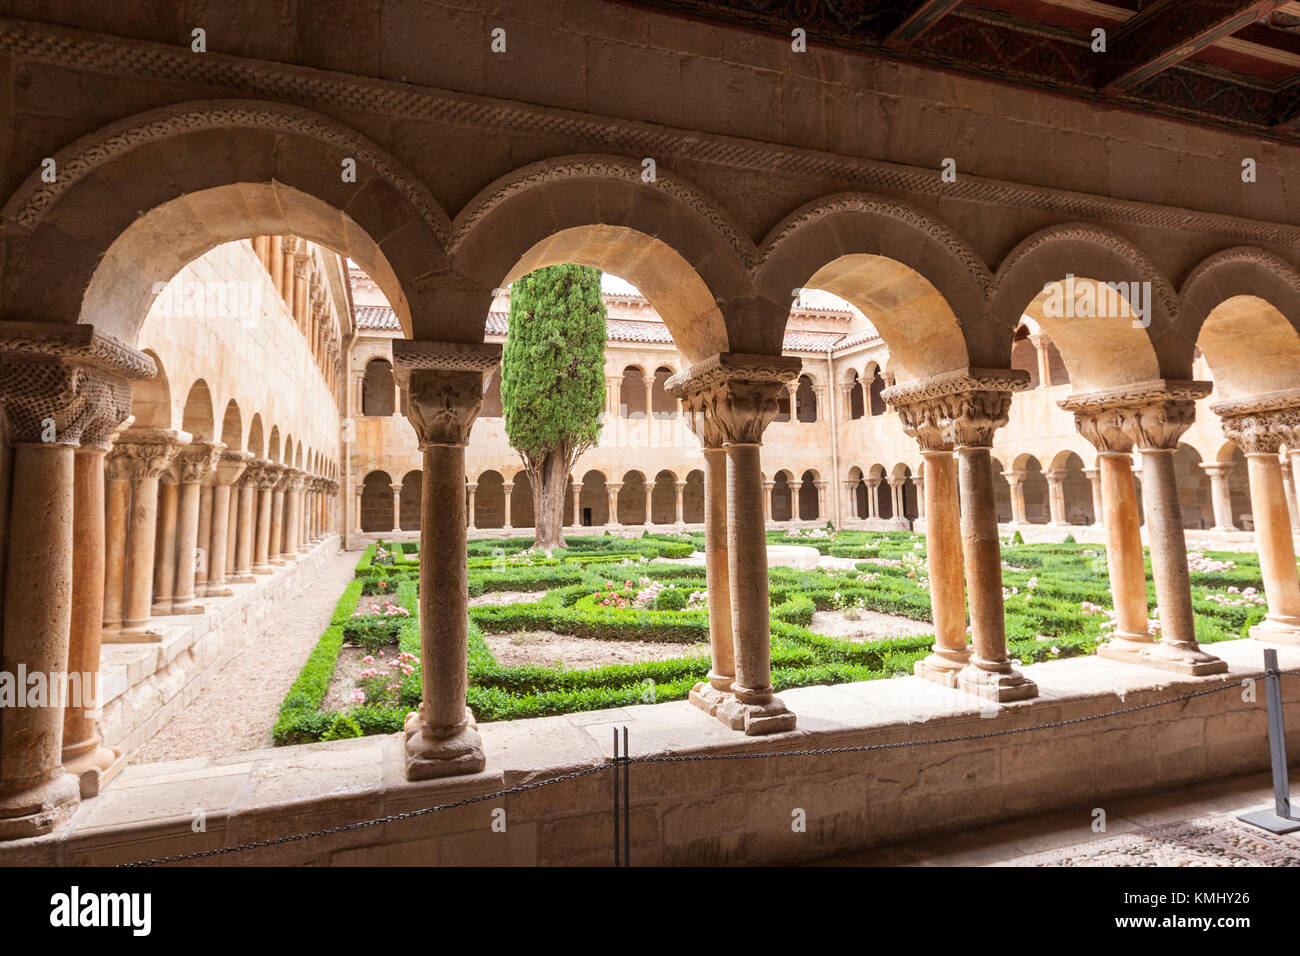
point(546, 648)
point(499, 598)
point(347, 668)
point(869, 626)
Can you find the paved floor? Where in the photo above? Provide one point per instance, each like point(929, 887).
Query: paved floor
point(1191, 826)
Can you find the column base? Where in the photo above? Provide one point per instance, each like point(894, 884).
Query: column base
point(1001, 686)
point(189, 607)
point(1169, 657)
point(708, 698)
point(222, 591)
point(429, 757)
point(771, 717)
point(34, 812)
point(159, 609)
point(95, 770)
point(277, 562)
point(243, 579)
point(1221, 528)
point(939, 670)
point(144, 634)
point(1277, 631)
point(264, 570)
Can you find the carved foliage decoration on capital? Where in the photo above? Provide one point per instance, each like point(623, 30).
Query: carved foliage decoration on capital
point(138, 456)
point(923, 421)
point(49, 400)
point(1157, 426)
point(443, 405)
point(973, 417)
point(1104, 430)
point(732, 398)
point(197, 460)
point(1263, 432)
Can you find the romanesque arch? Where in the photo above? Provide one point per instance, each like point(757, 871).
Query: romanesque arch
point(197, 416)
point(593, 500)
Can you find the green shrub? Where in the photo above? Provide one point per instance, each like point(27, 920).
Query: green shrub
point(342, 727)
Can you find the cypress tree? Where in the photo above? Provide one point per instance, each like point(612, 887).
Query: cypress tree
point(553, 382)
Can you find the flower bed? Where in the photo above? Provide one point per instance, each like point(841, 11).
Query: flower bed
point(605, 588)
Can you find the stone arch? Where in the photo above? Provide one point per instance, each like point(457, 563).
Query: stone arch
point(1241, 307)
point(297, 458)
point(783, 498)
point(256, 441)
point(521, 501)
point(909, 273)
point(490, 500)
point(874, 400)
point(1034, 489)
point(593, 500)
point(631, 499)
point(197, 417)
point(1103, 350)
point(1001, 492)
point(809, 505)
point(232, 427)
point(379, 388)
point(151, 398)
point(632, 392)
point(693, 497)
point(377, 502)
point(663, 498)
point(273, 445)
point(1076, 488)
point(857, 398)
point(682, 250)
point(172, 205)
point(664, 405)
point(409, 503)
point(805, 400)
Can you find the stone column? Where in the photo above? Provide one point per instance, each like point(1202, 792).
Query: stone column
point(1094, 480)
point(84, 754)
point(470, 488)
point(822, 514)
point(276, 551)
point(577, 511)
point(59, 385)
point(165, 550)
point(117, 508)
point(194, 463)
point(1118, 513)
point(358, 491)
point(1056, 497)
point(614, 392)
point(873, 499)
point(1151, 416)
point(965, 408)
point(301, 546)
point(649, 382)
point(446, 393)
point(1016, 479)
point(896, 498)
point(507, 489)
point(229, 467)
point(846, 400)
point(792, 392)
point(147, 453)
point(247, 522)
point(268, 475)
point(397, 508)
point(681, 497)
point(767, 501)
point(1220, 495)
point(649, 497)
point(737, 396)
point(1039, 342)
point(293, 514)
point(299, 305)
point(1288, 483)
point(276, 254)
point(919, 481)
point(613, 488)
point(1259, 427)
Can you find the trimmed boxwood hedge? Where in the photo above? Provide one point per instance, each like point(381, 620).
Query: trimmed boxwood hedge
point(1043, 623)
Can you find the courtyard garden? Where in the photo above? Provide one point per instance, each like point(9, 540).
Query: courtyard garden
point(612, 621)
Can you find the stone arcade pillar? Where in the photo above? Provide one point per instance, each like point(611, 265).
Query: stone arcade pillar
point(681, 491)
point(300, 544)
point(1288, 482)
point(276, 551)
point(577, 511)
point(397, 507)
point(1094, 480)
point(1016, 479)
point(873, 497)
point(613, 488)
point(357, 492)
point(926, 419)
point(165, 547)
point(966, 407)
point(767, 501)
point(737, 396)
point(292, 513)
point(146, 454)
point(649, 496)
point(507, 490)
point(1056, 516)
point(229, 467)
point(1151, 416)
point(247, 521)
point(1220, 495)
point(1039, 341)
point(268, 476)
point(470, 488)
point(896, 499)
point(445, 392)
point(60, 386)
point(1259, 427)
point(850, 499)
point(194, 463)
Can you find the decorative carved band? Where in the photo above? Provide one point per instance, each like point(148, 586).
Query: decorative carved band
point(961, 408)
point(409, 356)
point(1266, 402)
point(1141, 393)
point(141, 453)
point(77, 344)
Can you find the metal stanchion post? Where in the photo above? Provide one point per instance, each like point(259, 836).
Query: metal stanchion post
point(1279, 818)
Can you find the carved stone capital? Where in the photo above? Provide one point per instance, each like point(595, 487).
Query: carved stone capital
point(230, 466)
point(1262, 423)
point(1151, 415)
point(444, 383)
point(731, 397)
point(141, 453)
point(197, 460)
point(961, 408)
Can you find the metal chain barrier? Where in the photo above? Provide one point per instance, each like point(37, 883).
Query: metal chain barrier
point(624, 760)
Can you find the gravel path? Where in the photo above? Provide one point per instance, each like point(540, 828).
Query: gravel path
point(237, 707)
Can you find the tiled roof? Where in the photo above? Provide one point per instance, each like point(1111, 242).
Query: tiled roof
point(626, 330)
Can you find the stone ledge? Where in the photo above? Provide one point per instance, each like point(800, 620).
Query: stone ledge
point(709, 812)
